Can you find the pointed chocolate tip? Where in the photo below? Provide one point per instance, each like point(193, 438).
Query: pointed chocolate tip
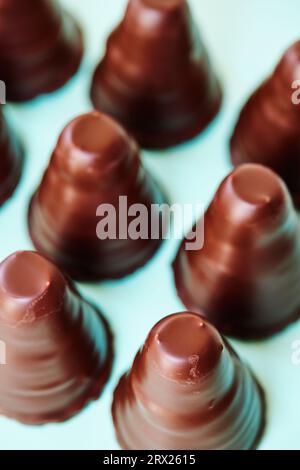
point(185, 347)
point(30, 287)
point(97, 133)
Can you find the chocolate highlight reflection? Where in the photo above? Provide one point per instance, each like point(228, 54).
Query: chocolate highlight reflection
point(11, 161)
point(188, 389)
point(267, 130)
point(94, 163)
point(156, 77)
point(58, 346)
point(40, 47)
point(246, 279)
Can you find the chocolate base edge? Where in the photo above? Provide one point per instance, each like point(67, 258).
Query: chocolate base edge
point(76, 274)
point(17, 175)
point(61, 79)
point(91, 395)
point(245, 335)
point(164, 140)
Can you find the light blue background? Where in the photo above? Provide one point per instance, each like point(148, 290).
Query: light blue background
point(245, 40)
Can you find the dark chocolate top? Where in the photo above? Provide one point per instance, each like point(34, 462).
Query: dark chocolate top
point(90, 146)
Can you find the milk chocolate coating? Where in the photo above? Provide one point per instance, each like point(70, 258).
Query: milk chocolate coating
point(11, 160)
point(156, 77)
point(58, 346)
point(40, 47)
point(94, 163)
point(267, 130)
point(187, 389)
point(246, 279)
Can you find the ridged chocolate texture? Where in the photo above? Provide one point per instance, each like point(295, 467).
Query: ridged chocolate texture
point(267, 130)
point(40, 47)
point(95, 162)
point(187, 389)
point(11, 161)
point(156, 77)
point(58, 346)
point(246, 279)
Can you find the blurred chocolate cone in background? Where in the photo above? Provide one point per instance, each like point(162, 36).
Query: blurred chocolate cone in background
point(11, 160)
point(267, 130)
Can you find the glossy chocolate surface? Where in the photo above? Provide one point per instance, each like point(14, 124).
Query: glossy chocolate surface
point(94, 163)
point(246, 279)
point(156, 77)
point(187, 389)
point(11, 160)
point(58, 346)
point(267, 130)
point(40, 47)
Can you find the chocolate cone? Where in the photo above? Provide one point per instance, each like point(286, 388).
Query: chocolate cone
point(41, 47)
point(156, 77)
point(267, 131)
point(246, 279)
point(95, 162)
point(187, 389)
point(11, 160)
point(58, 347)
